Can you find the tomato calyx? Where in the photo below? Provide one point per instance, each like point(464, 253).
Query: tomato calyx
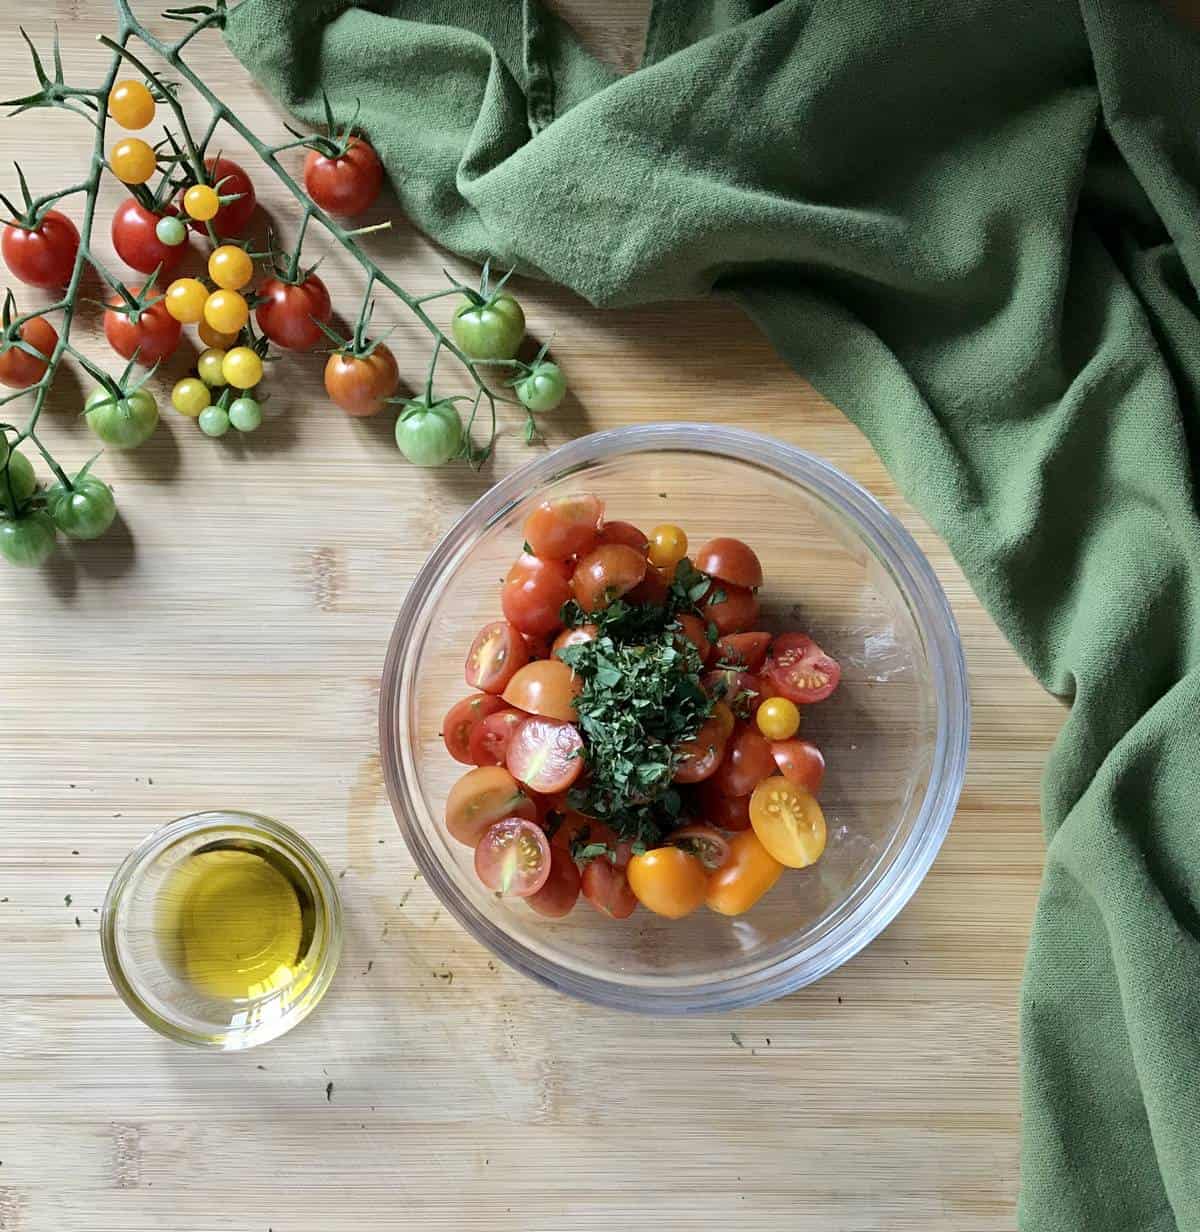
point(11, 338)
point(334, 142)
point(487, 293)
point(33, 212)
point(132, 304)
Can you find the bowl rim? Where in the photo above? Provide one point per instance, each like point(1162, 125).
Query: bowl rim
point(891, 544)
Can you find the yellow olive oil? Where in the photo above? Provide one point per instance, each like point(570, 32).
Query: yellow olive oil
point(235, 921)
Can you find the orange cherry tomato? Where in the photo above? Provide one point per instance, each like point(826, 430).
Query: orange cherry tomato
point(668, 881)
point(745, 650)
point(461, 720)
point(748, 873)
point(564, 526)
point(801, 762)
point(800, 670)
point(496, 655)
point(574, 637)
point(668, 546)
point(707, 844)
point(481, 798)
point(696, 632)
point(605, 574)
point(546, 754)
point(731, 608)
point(732, 561)
point(19, 369)
point(534, 592)
point(748, 761)
point(361, 384)
point(623, 532)
point(701, 756)
point(788, 821)
point(777, 718)
point(547, 687)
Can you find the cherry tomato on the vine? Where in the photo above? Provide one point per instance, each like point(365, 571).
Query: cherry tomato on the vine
point(83, 511)
point(429, 435)
point(361, 384)
point(226, 311)
point(27, 541)
point(132, 160)
point(185, 299)
point(170, 231)
point(542, 388)
point(215, 338)
point(245, 414)
point(152, 336)
point(228, 179)
point(201, 203)
point(534, 592)
point(124, 422)
point(489, 330)
point(42, 256)
point(131, 104)
point(346, 184)
point(288, 311)
point(230, 267)
point(211, 367)
point(564, 526)
point(136, 240)
point(17, 483)
point(242, 368)
point(19, 369)
point(190, 396)
point(214, 421)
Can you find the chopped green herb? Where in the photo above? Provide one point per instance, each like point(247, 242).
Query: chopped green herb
point(712, 633)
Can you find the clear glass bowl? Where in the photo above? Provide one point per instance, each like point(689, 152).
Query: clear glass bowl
point(894, 735)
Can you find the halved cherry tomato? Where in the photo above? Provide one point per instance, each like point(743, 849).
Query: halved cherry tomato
point(606, 887)
point(801, 670)
point(800, 762)
point(651, 589)
point(534, 592)
point(538, 647)
point(513, 858)
point(623, 532)
point(460, 722)
point(668, 881)
point(490, 739)
point(576, 825)
point(496, 655)
point(564, 526)
point(605, 574)
point(153, 336)
point(736, 610)
point(788, 821)
point(732, 561)
point(561, 891)
point(700, 756)
point(741, 691)
point(482, 797)
point(546, 754)
point(748, 761)
point(708, 845)
point(574, 637)
point(547, 687)
point(696, 632)
point(288, 312)
point(748, 873)
point(745, 650)
point(725, 812)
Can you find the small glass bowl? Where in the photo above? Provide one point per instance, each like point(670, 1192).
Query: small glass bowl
point(138, 948)
point(894, 735)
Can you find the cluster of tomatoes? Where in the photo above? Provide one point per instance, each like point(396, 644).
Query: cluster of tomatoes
point(749, 783)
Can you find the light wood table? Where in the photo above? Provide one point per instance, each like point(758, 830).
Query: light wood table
point(223, 646)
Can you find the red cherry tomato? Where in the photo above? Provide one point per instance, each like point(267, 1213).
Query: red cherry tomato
point(801, 670)
point(702, 754)
point(19, 369)
point(745, 650)
point(748, 760)
point(346, 184)
point(800, 762)
point(153, 336)
point(289, 311)
point(726, 812)
point(696, 632)
point(623, 532)
point(481, 798)
point(361, 384)
point(561, 892)
point(736, 611)
point(576, 826)
point(489, 740)
point(574, 637)
point(227, 177)
point(606, 887)
point(651, 589)
point(564, 526)
point(496, 655)
point(709, 846)
point(546, 754)
point(607, 573)
point(547, 687)
point(741, 691)
point(538, 647)
point(732, 561)
point(534, 592)
point(136, 243)
point(513, 857)
point(45, 255)
point(460, 723)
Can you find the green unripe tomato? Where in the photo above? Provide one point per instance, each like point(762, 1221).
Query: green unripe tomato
point(429, 435)
point(83, 511)
point(543, 388)
point(125, 422)
point(27, 541)
point(214, 421)
point(245, 414)
point(491, 330)
point(210, 367)
point(170, 231)
point(22, 480)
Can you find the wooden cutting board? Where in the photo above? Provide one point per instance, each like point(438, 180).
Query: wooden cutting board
point(223, 645)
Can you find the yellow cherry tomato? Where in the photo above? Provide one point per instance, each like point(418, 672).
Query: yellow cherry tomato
point(214, 337)
point(211, 366)
point(132, 160)
point(185, 299)
point(226, 311)
point(190, 397)
point(778, 718)
point(668, 881)
point(131, 104)
point(668, 546)
point(230, 267)
point(747, 874)
point(242, 368)
point(788, 821)
point(201, 202)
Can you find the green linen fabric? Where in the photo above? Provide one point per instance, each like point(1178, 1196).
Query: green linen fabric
point(974, 226)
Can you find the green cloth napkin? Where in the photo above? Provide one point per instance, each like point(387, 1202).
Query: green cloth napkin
point(973, 225)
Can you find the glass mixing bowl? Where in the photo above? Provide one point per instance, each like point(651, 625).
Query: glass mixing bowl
point(838, 566)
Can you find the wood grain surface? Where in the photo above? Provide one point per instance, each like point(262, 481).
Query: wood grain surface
point(223, 647)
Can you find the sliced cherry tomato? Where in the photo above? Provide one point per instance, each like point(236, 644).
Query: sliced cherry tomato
point(605, 574)
point(700, 756)
point(561, 892)
point(538, 647)
point(42, 256)
point(288, 312)
point(534, 592)
point(547, 687)
point(574, 637)
point(19, 369)
point(788, 821)
point(513, 858)
point(748, 873)
point(496, 655)
point(228, 178)
point(153, 336)
point(461, 720)
point(481, 798)
point(606, 887)
point(731, 608)
point(135, 238)
point(344, 184)
point(668, 881)
point(741, 691)
point(748, 761)
point(564, 526)
point(725, 812)
point(651, 589)
point(801, 670)
point(623, 532)
point(708, 845)
point(490, 739)
point(732, 561)
point(800, 762)
point(696, 631)
point(745, 650)
point(546, 754)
